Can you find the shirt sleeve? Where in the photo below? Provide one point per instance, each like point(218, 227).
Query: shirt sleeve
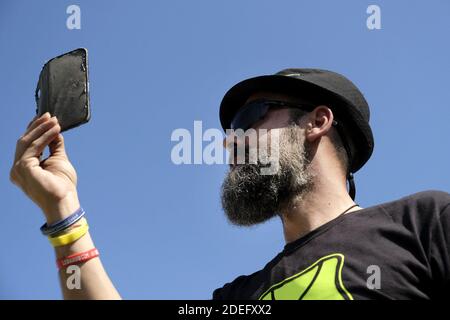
point(440, 254)
point(217, 294)
point(231, 290)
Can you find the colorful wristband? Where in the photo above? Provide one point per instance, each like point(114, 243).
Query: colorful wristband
point(71, 236)
point(77, 258)
point(48, 230)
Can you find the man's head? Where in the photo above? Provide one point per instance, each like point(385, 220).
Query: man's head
point(328, 137)
point(308, 147)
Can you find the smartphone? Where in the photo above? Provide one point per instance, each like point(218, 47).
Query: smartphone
point(63, 89)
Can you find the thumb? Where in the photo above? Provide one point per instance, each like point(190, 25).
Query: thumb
point(57, 147)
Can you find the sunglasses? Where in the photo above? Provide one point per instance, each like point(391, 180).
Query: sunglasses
point(251, 112)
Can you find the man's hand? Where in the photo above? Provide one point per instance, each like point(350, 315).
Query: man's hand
point(51, 183)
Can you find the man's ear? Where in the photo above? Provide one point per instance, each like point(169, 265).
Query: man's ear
point(320, 121)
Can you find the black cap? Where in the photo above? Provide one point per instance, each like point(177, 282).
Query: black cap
point(319, 86)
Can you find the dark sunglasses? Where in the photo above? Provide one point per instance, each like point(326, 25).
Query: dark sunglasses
point(251, 112)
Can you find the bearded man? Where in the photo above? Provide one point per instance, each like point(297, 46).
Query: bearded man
point(334, 248)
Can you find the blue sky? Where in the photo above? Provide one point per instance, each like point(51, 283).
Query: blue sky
point(159, 65)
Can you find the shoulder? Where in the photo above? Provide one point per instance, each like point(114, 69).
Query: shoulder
point(419, 211)
point(431, 197)
point(420, 202)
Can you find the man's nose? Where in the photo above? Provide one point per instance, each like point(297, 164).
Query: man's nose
point(240, 139)
point(232, 141)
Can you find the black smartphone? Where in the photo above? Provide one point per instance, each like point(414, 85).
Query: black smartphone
point(63, 89)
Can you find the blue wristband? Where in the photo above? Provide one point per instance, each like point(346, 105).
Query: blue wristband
point(62, 224)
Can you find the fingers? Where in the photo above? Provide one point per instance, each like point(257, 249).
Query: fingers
point(57, 147)
point(37, 146)
point(39, 129)
point(32, 120)
point(36, 122)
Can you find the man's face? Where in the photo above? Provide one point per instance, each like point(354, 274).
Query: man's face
point(250, 197)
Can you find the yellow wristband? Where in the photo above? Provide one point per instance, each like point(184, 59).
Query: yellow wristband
point(71, 236)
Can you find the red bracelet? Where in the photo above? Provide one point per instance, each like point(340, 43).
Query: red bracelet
point(77, 258)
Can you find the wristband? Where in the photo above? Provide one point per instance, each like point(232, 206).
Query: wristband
point(71, 236)
point(77, 258)
point(56, 227)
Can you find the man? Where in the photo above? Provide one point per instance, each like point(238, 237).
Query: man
point(334, 248)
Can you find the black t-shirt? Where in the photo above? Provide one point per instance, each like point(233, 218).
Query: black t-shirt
point(396, 250)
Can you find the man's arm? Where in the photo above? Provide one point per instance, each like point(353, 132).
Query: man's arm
point(51, 184)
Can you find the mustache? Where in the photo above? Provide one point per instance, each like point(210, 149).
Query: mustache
point(260, 156)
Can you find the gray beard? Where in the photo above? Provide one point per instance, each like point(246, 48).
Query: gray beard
point(249, 197)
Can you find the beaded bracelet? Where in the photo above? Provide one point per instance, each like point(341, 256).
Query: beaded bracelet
point(48, 230)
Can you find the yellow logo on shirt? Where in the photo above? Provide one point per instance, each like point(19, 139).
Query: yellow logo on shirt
point(320, 281)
